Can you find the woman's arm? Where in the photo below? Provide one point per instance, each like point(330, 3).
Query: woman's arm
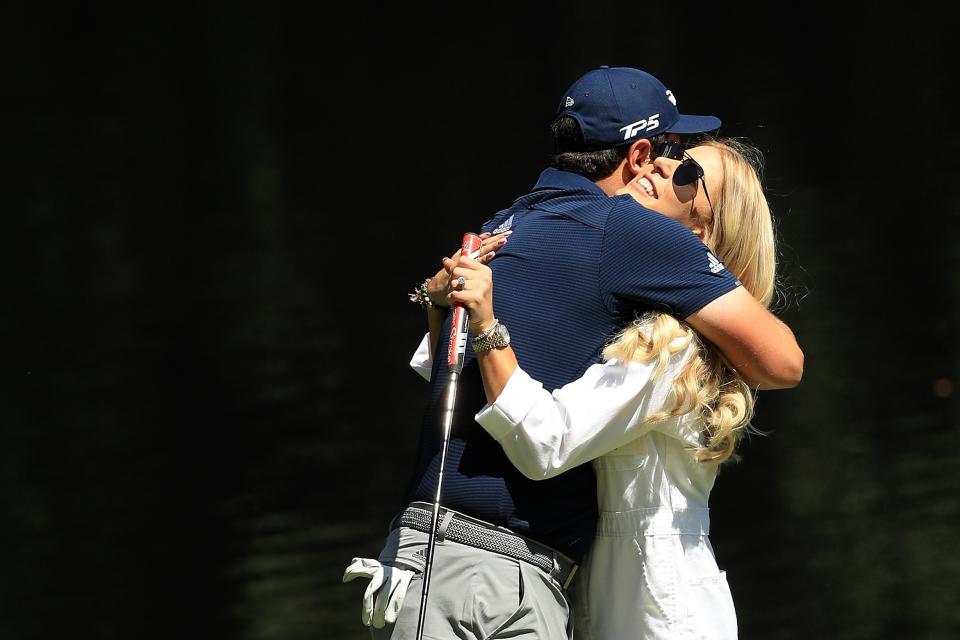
point(546, 434)
point(542, 434)
point(434, 325)
point(422, 360)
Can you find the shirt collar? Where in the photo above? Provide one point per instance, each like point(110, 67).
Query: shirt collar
point(569, 194)
point(556, 179)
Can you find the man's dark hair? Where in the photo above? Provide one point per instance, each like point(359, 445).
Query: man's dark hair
point(571, 153)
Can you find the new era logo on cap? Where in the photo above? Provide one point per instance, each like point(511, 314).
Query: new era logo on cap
point(617, 105)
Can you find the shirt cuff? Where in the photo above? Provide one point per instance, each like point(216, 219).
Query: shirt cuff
point(421, 362)
point(513, 404)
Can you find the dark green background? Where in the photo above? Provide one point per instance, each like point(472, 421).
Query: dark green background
point(211, 216)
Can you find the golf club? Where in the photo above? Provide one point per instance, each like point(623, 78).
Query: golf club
point(456, 350)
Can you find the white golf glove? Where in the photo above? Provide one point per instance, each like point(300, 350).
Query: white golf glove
point(384, 595)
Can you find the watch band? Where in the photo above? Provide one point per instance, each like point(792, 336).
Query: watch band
point(495, 337)
point(484, 334)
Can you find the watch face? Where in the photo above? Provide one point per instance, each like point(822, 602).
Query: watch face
point(497, 338)
point(500, 337)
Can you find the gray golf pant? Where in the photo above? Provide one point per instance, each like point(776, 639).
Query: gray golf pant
point(474, 594)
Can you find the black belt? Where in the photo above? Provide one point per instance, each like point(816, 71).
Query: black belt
point(457, 527)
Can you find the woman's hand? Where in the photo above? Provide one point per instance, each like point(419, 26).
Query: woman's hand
point(472, 287)
point(439, 285)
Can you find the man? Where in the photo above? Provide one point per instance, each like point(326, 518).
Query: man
point(577, 266)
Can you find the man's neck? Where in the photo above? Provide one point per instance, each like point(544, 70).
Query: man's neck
point(611, 183)
point(616, 180)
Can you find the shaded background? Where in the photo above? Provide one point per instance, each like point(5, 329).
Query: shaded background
point(210, 219)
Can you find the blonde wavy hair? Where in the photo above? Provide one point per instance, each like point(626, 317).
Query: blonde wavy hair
point(742, 237)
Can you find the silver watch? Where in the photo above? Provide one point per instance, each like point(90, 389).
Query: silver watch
point(496, 337)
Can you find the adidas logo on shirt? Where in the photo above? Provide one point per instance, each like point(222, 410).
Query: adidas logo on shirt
point(715, 265)
point(504, 226)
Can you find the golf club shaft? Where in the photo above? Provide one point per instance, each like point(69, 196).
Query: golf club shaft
point(432, 542)
point(456, 352)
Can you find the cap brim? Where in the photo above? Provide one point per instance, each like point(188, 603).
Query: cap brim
point(695, 124)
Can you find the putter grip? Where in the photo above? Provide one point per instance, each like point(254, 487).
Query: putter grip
point(458, 323)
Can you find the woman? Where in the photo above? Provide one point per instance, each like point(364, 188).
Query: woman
point(656, 418)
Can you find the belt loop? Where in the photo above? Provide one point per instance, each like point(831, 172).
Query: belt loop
point(442, 527)
point(573, 571)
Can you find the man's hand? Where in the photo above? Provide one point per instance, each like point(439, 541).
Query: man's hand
point(384, 596)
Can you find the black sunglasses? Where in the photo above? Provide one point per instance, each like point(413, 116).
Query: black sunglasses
point(667, 149)
point(689, 172)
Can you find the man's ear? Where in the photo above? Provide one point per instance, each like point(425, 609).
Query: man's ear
point(639, 155)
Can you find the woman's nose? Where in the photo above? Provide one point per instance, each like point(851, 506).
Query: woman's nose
point(665, 166)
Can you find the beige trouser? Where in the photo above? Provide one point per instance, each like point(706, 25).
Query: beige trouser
point(474, 594)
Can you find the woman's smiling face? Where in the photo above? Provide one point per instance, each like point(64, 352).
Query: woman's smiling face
point(688, 204)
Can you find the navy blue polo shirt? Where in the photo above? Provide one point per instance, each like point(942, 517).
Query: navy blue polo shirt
point(578, 265)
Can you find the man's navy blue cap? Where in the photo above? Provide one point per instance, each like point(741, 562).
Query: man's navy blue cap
point(619, 105)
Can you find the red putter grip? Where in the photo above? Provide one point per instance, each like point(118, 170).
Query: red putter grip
point(458, 323)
